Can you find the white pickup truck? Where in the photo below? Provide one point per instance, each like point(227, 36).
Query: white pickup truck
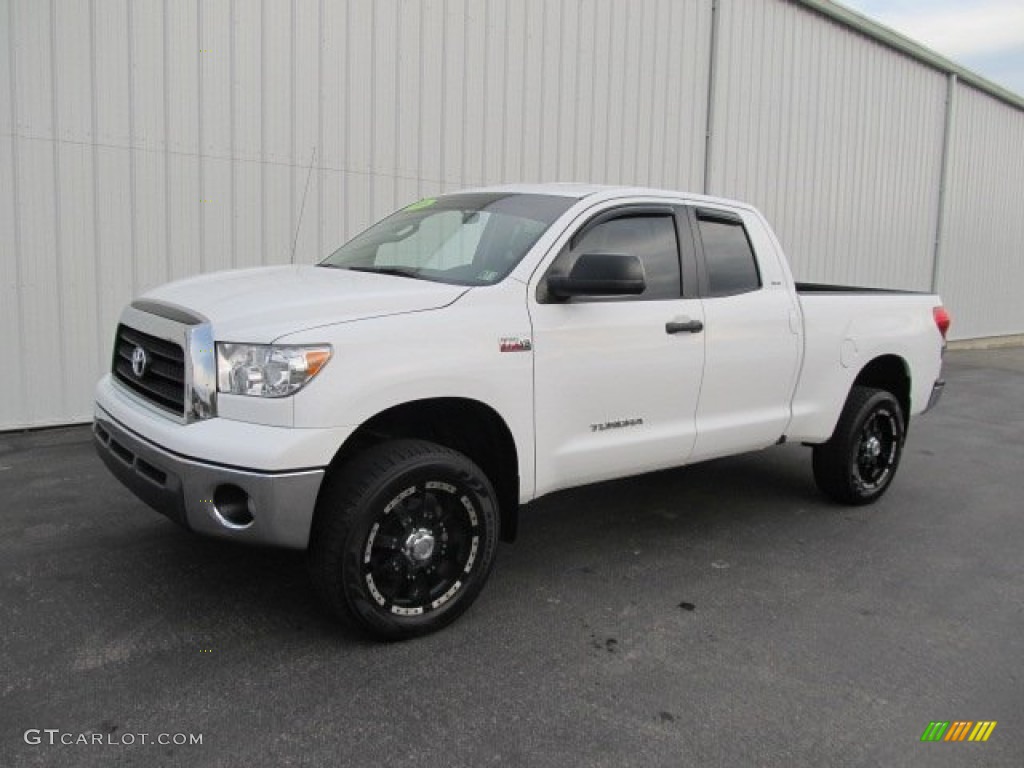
point(391, 408)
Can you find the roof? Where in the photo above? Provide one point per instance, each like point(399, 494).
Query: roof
point(579, 190)
point(573, 189)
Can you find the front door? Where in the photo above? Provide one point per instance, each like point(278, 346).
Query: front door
point(617, 379)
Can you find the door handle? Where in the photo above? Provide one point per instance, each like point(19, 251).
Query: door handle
point(684, 326)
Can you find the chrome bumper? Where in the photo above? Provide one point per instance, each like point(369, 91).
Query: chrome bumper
point(273, 508)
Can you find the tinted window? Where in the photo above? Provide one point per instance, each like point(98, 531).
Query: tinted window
point(730, 260)
point(652, 239)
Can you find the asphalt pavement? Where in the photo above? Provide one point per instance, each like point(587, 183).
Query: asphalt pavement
point(724, 614)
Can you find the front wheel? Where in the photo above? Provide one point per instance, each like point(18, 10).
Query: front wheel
point(858, 463)
point(404, 538)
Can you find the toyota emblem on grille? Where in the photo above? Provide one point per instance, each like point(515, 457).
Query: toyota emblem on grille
point(139, 362)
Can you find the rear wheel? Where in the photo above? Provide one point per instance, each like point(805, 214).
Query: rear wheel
point(404, 539)
point(858, 463)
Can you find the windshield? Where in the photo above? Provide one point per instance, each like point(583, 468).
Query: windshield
point(464, 239)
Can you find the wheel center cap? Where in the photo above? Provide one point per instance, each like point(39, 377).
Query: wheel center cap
point(873, 447)
point(420, 545)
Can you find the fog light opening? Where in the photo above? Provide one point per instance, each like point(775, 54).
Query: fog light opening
point(232, 507)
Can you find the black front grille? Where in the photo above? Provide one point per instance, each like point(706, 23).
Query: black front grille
point(163, 380)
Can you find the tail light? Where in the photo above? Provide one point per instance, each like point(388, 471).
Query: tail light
point(942, 320)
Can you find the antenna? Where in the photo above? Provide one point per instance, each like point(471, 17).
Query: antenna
point(302, 208)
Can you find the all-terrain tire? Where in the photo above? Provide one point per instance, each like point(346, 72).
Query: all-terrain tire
point(404, 538)
point(856, 466)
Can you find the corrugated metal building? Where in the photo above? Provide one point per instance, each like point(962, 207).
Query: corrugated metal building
point(146, 140)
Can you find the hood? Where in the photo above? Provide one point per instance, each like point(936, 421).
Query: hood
point(260, 305)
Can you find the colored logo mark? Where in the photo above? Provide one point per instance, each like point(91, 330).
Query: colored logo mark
point(515, 344)
point(958, 730)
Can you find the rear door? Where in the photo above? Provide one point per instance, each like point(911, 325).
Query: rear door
point(752, 335)
point(616, 383)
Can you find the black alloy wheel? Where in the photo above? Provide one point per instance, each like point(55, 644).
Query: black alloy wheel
point(878, 448)
point(421, 546)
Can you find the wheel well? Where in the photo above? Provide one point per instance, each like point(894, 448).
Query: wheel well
point(890, 373)
point(467, 426)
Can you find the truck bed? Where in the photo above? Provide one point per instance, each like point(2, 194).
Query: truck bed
point(826, 288)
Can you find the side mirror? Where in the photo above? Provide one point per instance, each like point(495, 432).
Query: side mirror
point(600, 274)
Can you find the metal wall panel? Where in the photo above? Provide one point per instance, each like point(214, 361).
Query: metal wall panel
point(6, 58)
point(113, 235)
point(186, 195)
point(32, 81)
point(184, 204)
point(147, 140)
point(358, 126)
point(246, 44)
point(213, 87)
point(836, 138)
point(79, 342)
point(146, 26)
point(277, 119)
point(306, 128)
point(248, 215)
point(72, 75)
point(150, 194)
point(39, 264)
point(12, 397)
point(216, 232)
point(111, 65)
point(247, 139)
point(981, 267)
point(181, 73)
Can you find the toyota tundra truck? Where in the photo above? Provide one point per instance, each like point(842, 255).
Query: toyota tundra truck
point(389, 409)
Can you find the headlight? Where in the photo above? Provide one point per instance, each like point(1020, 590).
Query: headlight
point(267, 370)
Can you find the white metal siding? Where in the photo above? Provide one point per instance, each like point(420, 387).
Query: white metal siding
point(835, 137)
point(147, 140)
point(981, 266)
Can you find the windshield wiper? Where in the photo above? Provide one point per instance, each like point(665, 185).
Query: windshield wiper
point(396, 271)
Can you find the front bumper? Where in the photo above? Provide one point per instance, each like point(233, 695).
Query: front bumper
point(246, 505)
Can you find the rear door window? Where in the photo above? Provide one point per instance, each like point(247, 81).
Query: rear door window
point(728, 255)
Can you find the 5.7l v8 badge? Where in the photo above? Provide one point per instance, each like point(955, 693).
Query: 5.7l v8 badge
point(515, 344)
